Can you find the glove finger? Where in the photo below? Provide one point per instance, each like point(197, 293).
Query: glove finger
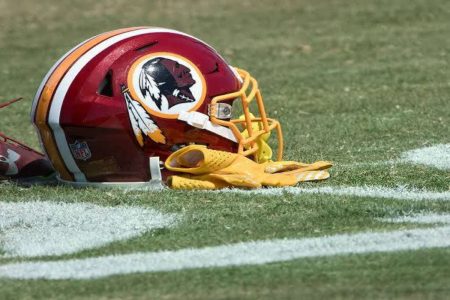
point(193, 183)
point(264, 152)
point(277, 166)
point(279, 179)
point(312, 176)
point(287, 167)
point(317, 166)
point(283, 179)
point(238, 179)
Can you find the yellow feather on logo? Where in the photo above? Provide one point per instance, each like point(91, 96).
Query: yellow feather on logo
point(141, 122)
point(157, 136)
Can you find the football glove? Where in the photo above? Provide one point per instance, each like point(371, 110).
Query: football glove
point(203, 168)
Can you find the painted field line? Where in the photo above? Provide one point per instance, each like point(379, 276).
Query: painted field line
point(421, 219)
point(399, 193)
point(245, 253)
point(437, 156)
point(30, 229)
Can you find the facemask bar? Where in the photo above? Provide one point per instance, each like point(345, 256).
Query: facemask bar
point(248, 145)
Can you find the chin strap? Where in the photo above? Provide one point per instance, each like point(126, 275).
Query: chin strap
point(202, 168)
point(199, 120)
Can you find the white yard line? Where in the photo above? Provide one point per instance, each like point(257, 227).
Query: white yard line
point(45, 228)
point(30, 229)
point(437, 156)
point(400, 193)
point(245, 253)
point(421, 219)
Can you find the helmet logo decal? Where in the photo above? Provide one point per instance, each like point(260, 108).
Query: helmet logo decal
point(166, 84)
point(157, 82)
point(141, 122)
point(80, 150)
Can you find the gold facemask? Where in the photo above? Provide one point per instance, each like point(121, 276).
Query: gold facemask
point(256, 128)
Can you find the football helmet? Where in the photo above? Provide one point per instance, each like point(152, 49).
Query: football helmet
point(117, 104)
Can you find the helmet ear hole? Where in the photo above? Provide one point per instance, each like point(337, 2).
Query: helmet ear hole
point(105, 87)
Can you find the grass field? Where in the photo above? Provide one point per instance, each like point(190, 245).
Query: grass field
point(354, 82)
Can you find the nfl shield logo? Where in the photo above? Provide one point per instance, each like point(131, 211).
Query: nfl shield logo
point(80, 150)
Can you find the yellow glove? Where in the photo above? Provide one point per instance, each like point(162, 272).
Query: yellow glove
point(204, 168)
point(264, 152)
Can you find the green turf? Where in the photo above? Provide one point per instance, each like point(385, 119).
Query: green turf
point(350, 81)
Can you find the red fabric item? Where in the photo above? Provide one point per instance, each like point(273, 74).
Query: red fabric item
point(19, 162)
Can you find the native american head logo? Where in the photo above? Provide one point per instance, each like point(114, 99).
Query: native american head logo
point(161, 85)
point(166, 80)
point(166, 84)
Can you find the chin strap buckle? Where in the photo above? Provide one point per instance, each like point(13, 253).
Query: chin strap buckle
point(220, 110)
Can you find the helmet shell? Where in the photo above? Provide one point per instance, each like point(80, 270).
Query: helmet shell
point(83, 117)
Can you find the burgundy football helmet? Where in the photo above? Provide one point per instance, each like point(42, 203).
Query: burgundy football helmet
point(117, 104)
